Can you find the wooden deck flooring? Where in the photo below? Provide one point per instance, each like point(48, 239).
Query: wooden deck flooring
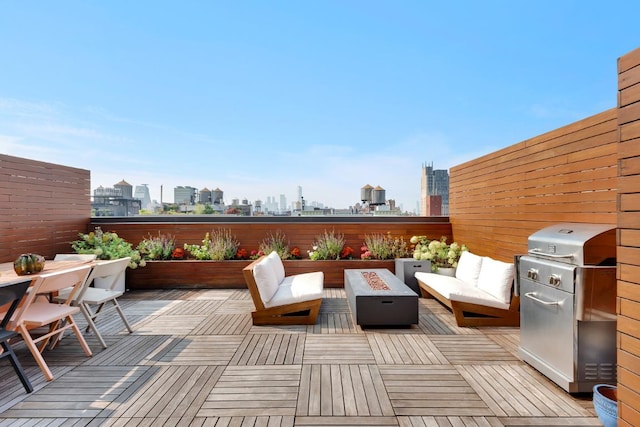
point(195, 359)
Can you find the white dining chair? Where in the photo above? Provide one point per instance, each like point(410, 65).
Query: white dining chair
point(99, 301)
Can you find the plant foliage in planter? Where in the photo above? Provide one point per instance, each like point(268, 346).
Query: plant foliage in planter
point(275, 242)
point(218, 245)
point(107, 245)
point(160, 247)
point(384, 246)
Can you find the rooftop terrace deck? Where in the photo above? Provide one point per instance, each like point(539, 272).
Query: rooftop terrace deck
point(196, 359)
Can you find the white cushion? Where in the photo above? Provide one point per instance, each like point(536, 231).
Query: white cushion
point(456, 290)
point(496, 278)
point(298, 288)
point(266, 279)
point(277, 265)
point(469, 268)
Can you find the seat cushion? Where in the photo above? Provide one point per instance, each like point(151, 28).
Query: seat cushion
point(455, 289)
point(277, 265)
point(265, 276)
point(298, 288)
point(468, 269)
point(496, 278)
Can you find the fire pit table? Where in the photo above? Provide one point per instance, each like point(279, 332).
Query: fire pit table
point(378, 298)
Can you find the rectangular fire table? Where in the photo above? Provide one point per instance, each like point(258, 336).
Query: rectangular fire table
point(378, 298)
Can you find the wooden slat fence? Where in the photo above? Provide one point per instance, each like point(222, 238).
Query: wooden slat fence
point(566, 175)
point(629, 240)
point(43, 206)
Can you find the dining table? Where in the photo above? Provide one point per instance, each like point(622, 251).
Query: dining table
point(8, 275)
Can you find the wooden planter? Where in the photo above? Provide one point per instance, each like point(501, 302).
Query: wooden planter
point(228, 274)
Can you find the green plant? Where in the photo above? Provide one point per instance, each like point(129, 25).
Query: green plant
point(157, 247)
point(218, 245)
point(438, 252)
point(275, 242)
point(384, 246)
point(107, 245)
point(328, 245)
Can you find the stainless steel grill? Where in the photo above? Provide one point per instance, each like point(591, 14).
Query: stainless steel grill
point(567, 289)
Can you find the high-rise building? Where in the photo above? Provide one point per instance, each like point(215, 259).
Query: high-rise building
point(283, 203)
point(434, 182)
point(142, 192)
point(184, 195)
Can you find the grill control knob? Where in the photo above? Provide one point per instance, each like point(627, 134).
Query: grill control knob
point(532, 274)
point(554, 279)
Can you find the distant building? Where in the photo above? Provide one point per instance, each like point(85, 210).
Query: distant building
point(125, 189)
point(184, 195)
point(434, 206)
point(115, 201)
point(142, 193)
point(217, 196)
point(434, 182)
point(205, 196)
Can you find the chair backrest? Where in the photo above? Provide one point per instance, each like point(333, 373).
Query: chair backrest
point(53, 282)
point(75, 257)
point(111, 270)
point(12, 294)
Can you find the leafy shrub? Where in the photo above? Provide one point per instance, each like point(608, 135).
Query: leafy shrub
point(107, 245)
point(218, 245)
point(275, 242)
point(157, 247)
point(328, 245)
point(384, 246)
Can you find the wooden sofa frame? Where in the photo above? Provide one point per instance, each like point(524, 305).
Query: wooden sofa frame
point(469, 314)
point(299, 313)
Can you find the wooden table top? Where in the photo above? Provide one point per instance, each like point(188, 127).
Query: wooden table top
point(8, 275)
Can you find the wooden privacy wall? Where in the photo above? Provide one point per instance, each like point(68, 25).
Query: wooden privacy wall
point(43, 207)
point(629, 240)
point(566, 175)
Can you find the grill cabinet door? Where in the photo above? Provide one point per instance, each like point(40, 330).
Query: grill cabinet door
point(547, 326)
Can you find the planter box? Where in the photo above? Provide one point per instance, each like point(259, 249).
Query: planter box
point(228, 274)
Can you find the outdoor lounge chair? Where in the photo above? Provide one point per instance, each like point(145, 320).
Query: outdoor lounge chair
point(280, 299)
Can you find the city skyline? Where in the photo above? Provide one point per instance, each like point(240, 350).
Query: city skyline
point(281, 202)
point(258, 97)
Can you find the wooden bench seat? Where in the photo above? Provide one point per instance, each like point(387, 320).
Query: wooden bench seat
point(481, 293)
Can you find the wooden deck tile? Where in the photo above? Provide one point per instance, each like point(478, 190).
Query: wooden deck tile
point(201, 350)
point(224, 324)
point(431, 390)
point(519, 392)
point(256, 390)
point(401, 349)
point(271, 349)
point(472, 349)
point(350, 349)
point(342, 390)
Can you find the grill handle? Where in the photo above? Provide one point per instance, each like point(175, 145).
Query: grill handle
point(530, 295)
point(536, 251)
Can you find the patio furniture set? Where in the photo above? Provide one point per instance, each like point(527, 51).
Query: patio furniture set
point(40, 306)
point(50, 298)
point(480, 294)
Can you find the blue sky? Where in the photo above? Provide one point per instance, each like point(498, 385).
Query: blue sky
point(258, 97)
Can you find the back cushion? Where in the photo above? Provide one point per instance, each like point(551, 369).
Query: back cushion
point(266, 279)
point(277, 265)
point(468, 269)
point(496, 278)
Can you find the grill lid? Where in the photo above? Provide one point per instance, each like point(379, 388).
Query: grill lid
point(576, 243)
